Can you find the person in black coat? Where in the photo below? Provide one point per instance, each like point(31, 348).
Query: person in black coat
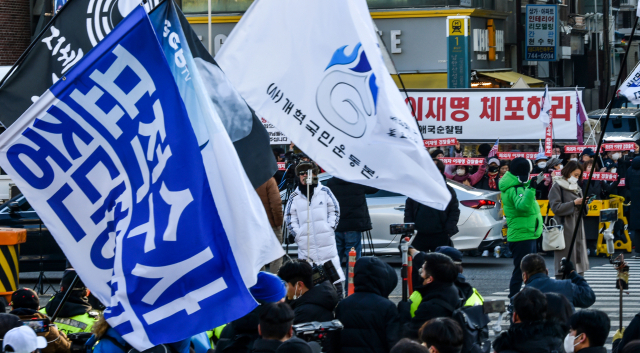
point(354, 215)
point(632, 332)
point(491, 178)
point(632, 183)
point(309, 302)
point(439, 295)
point(370, 319)
point(435, 228)
point(530, 332)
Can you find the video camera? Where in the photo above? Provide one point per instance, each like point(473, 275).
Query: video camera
point(324, 272)
point(316, 331)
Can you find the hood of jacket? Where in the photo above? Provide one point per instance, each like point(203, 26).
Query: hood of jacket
point(25, 313)
point(75, 305)
point(465, 290)
point(531, 337)
point(635, 164)
point(323, 295)
point(374, 276)
point(508, 181)
point(441, 290)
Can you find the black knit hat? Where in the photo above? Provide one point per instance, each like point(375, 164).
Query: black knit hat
point(521, 168)
point(484, 149)
point(8, 322)
point(25, 298)
point(67, 278)
point(436, 152)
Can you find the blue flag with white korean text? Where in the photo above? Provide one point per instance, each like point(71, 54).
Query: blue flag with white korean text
point(109, 160)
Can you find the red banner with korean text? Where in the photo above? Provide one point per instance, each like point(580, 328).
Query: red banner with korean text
point(452, 141)
point(514, 155)
point(548, 140)
point(578, 148)
point(488, 114)
point(462, 161)
point(282, 166)
point(622, 146)
point(585, 176)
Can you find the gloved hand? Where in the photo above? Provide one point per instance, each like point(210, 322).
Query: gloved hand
point(402, 241)
point(534, 183)
point(618, 335)
point(567, 267)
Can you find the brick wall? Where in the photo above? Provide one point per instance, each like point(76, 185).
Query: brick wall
point(15, 30)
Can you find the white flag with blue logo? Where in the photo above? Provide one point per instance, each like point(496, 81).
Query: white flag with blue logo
point(314, 69)
point(630, 88)
point(109, 159)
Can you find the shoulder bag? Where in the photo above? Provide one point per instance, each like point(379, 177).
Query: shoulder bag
point(553, 234)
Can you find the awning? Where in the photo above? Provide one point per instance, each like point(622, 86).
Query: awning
point(511, 77)
point(426, 80)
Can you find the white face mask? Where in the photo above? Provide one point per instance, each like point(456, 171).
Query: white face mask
point(541, 165)
point(613, 170)
point(461, 172)
point(556, 156)
point(615, 156)
point(561, 166)
point(573, 159)
point(569, 343)
point(573, 180)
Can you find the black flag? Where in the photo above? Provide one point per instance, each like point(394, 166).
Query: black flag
point(71, 34)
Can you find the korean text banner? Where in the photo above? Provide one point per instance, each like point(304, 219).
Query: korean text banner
point(110, 162)
point(314, 70)
point(489, 114)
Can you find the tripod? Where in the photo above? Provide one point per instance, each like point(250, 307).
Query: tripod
point(367, 241)
point(42, 280)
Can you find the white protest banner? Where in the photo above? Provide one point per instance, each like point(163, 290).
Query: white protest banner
point(462, 161)
point(276, 137)
point(314, 69)
point(451, 141)
point(489, 114)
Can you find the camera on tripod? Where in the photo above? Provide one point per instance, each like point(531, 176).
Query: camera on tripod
point(316, 331)
point(324, 272)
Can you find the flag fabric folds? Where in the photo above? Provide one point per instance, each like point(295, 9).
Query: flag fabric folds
point(581, 118)
point(630, 88)
point(545, 114)
point(110, 161)
point(314, 69)
point(494, 150)
point(78, 27)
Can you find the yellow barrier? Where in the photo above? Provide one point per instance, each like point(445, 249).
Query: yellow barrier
point(594, 211)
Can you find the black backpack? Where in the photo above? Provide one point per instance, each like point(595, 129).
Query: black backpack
point(475, 326)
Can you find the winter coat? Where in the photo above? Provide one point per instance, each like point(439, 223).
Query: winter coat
point(632, 332)
point(531, 337)
point(442, 221)
point(325, 215)
point(57, 342)
point(354, 213)
point(106, 345)
point(566, 213)
point(484, 183)
point(575, 289)
point(265, 346)
point(317, 304)
point(270, 197)
point(524, 220)
point(473, 179)
point(239, 335)
point(370, 319)
point(434, 295)
point(75, 305)
point(632, 183)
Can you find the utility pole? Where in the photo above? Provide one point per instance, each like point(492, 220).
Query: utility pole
point(606, 77)
point(520, 37)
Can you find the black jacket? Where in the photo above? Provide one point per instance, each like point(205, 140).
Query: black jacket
point(370, 320)
point(440, 221)
point(531, 337)
point(354, 213)
point(239, 335)
point(315, 305)
point(602, 189)
point(75, 305)
point(433, 296)
point(484, 183)
point(265, 346)
point(632, 183)
point(632, 332)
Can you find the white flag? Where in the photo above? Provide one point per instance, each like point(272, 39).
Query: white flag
point(545, 114)
point(630, 88)
point(314, 69)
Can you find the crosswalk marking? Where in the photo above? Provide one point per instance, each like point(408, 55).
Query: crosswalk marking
point(602, 280)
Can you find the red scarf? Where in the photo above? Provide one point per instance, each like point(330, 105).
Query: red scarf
point(492, 181)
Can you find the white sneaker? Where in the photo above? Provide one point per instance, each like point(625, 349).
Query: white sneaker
point(485, 253)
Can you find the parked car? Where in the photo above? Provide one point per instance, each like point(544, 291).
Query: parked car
point(40, 251)
point(480, 224)
point(623, 126)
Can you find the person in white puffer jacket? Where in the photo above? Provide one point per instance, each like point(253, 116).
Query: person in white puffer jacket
point(325, 214)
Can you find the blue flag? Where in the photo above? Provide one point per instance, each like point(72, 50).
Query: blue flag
point(110, 161)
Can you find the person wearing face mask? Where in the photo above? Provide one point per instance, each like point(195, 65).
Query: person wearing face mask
point(540, 163)
point(442, 335)
point(524, 220)
point(610, 161)
point(601, 188)
point(542, 190)
point(530, 332)
point(463, 176)
point(309, 302)
point(491, 179)
point(589, 330)
point(565, 201)
point(438, 291)
point(573, 157)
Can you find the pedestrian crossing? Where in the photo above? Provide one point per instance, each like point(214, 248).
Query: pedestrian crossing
point(602, 280)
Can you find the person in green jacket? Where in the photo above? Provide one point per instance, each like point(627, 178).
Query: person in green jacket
point(524, 220)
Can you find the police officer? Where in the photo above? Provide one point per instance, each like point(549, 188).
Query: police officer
point(76, 315)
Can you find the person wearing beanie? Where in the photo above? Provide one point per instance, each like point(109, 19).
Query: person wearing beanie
point(437, 153)
point(25, 304)
point(491, 179)
point(239, 335)
point(524, 219)
point(435, 227)
point(484, 150)
point(77, 315)
point(8, 322)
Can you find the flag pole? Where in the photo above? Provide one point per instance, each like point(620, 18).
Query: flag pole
point(597, 151)
point(209, 25)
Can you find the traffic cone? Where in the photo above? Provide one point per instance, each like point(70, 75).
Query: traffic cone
point(352, 263)
point(410, 274)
